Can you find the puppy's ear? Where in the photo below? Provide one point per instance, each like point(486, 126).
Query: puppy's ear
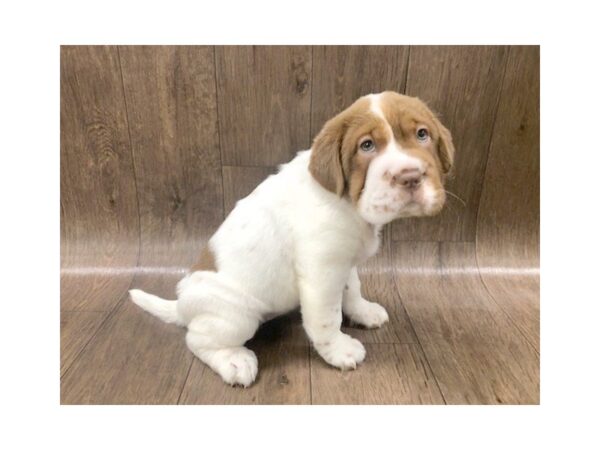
point(326, 157)
point(445, 148)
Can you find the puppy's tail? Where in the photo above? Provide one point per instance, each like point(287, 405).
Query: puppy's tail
point(161, 308)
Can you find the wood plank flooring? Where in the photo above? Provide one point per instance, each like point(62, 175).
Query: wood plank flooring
point(451, 339)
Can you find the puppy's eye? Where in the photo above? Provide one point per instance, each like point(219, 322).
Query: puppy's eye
point(367, 146)
point(422, 134)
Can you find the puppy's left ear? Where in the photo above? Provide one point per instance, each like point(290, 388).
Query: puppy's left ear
point(445, 148)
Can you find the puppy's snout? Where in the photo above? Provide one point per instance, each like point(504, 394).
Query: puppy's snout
point(409, 179)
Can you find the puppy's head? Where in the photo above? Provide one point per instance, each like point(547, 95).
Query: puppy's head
point(388, 154)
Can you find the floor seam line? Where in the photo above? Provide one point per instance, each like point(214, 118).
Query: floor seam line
point(185, 382)
point(412, 327)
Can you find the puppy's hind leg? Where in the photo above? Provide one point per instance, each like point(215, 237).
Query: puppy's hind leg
point(219, 342)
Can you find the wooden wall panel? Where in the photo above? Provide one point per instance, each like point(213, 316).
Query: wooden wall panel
point(264, 103)
point(171, 102)
point(509, 216)
point(462, 84)
point(342, 74)
point(98, 203)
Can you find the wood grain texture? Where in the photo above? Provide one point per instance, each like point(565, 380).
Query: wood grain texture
point(518, 295)
point(476, 352)
point(390, 374)
point(264, 103)
point(98, 197)
point(344, 73)
point(509, 217)
point(171, 102)
point(76, 329)
point(134, 358)
point(82, 290)
point(434, 291)
point(466, 101)
point(484, 373)
point(99, 217)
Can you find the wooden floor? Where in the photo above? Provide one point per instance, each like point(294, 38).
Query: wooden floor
point(455, 336)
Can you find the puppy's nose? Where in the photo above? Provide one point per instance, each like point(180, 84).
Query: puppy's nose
point(408, 178)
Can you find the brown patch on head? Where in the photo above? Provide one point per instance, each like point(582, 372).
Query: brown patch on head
point(405, 115)
point(206, 261)
point(335, 161)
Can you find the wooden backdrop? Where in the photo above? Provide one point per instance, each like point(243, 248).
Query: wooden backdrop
point(158, 143)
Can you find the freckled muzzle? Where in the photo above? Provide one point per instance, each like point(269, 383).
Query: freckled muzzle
point(400, 190)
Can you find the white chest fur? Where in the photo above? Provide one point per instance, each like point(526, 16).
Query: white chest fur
point(370, 244)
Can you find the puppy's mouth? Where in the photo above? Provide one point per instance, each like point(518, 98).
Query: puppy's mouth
point(411, 208)
point(412, 204)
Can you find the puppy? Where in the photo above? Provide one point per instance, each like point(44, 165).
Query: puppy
point(297, 239)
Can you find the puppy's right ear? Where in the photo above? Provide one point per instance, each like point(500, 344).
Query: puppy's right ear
point(326, 157)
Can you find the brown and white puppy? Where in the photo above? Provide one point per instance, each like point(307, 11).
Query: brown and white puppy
point(298, 237)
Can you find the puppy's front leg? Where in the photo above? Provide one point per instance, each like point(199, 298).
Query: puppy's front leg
point(321, 305)
point(358, 309)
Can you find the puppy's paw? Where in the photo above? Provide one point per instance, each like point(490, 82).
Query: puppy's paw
point(367, 314)
point(343, 351)
point(237, 366)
